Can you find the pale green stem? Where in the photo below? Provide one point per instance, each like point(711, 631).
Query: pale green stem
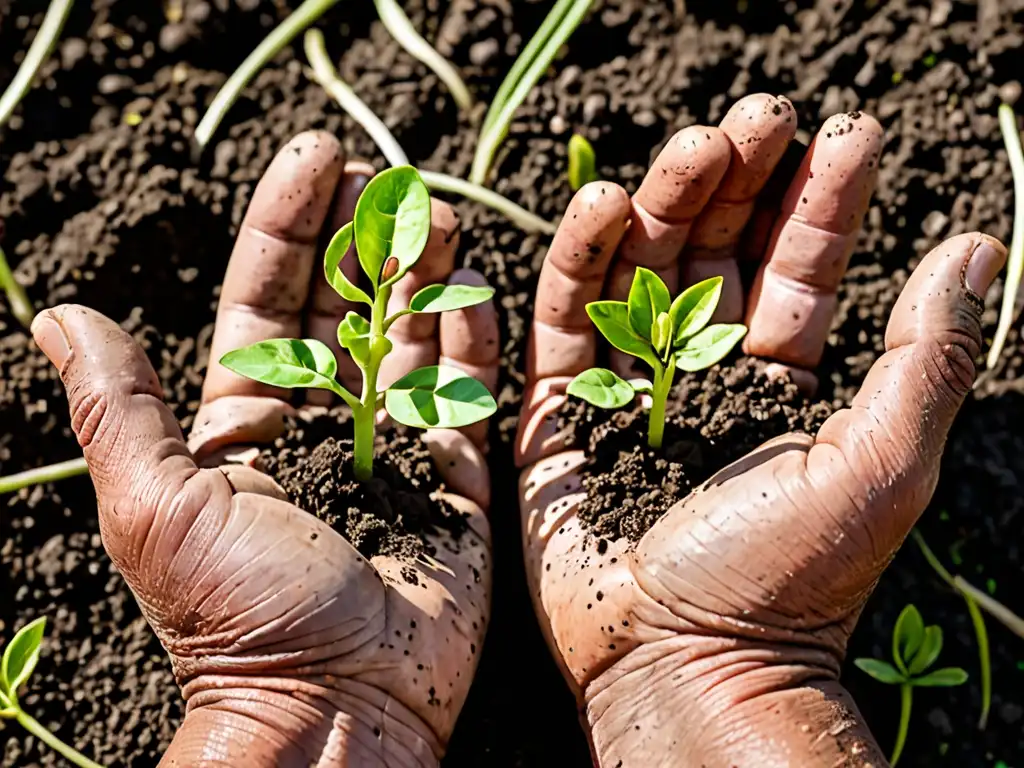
point(365, 412)
point(282, 35)
point(48, 474)
point(494, 133)
point(21, 307)
point(906, 701)
point(656, 419)
point(324, 72)
point(984, 660)
point(37, 730)
point(37, 55)
point(1015, 264)
point(401, 28)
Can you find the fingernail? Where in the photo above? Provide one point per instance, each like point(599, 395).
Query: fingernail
point(50, 337)
point(986, 262)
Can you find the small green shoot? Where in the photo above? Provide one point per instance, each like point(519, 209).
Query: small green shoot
point(17, 299)
point(17, 665)
point(527, 70)
point(389, 231)
point(582, 162)
point(324, 72)
point(915, 649)
point(38, 53)
point(1015, 262)
point(663, 333)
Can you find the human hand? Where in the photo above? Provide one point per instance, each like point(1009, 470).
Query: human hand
point(290, 647)
point(717, 639)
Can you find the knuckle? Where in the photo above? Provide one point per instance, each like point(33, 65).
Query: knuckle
point(954, 366)
point(88, 415)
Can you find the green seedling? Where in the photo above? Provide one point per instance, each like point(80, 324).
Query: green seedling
point(17, 665)
point(390, 230)
point(582, 162)
point(915, 649)
point(17, 300)
point(1015, 261)
point(527, 70)
point(665, 334)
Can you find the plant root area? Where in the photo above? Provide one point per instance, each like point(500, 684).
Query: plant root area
point(104, 204)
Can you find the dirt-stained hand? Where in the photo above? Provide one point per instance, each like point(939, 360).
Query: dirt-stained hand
point(717, 639)
point(291, 648)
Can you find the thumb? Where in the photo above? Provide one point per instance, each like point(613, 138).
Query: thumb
point(132, 442)
point(894, 435)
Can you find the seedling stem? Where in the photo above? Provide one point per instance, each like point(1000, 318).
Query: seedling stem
point(19, 302)
point(906, 705)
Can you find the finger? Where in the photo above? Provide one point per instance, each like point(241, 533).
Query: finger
point(469, 341)
point(759, 128)
point(794, 295)
point(268, 276)
point(236, 420)
point(131, 440)
point(461, 464)
point(562, 342)
point(892, 438)
point(415, 336)
point(327, 307)
point(673, 193)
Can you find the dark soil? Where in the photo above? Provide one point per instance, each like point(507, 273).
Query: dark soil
point(118, 216)
point(392, 514)
point(712, 419)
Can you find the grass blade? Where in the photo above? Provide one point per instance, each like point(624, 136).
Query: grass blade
point(37, 55)
point(401, 28)
point(48, 474)
point(495, 131)
point(282, 35)
point(19, 302)
point(1015, 264)
point(984, 660)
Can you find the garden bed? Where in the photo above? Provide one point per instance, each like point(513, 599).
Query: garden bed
point(103, 205)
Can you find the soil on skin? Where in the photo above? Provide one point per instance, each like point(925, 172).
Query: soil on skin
point(116, 215)
point(391, 514)
point(712, 418)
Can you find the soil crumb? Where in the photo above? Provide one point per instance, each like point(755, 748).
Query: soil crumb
point(392, 514)
point(713, 418)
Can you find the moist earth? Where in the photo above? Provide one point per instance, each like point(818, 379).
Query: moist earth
point(392, 514)
point(104, 205)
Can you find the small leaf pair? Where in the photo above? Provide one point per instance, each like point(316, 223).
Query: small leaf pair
point(665, 334)
point(389, 230)
point(915, 648)
point(18, 663)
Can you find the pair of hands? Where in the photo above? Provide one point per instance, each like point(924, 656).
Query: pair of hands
point(716, 641)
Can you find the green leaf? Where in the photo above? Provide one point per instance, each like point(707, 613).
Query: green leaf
point(582, 162)
point(942, 678)
point(882, 671)
point(20, 657)
point(907, 635)
point(661, 333)
point(336, 251)
point(445, 298)
point(602, 388)
point(286, 363)
point(648, 298)
point(709, 346)
point(642, 386)
point(354, 335)
point(612, 320)
point(928, 651)
point(438, 396)
point(693, 308)
point(392, 219)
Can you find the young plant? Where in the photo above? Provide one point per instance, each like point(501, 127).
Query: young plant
point(390, 230)
point(915, 648)
point(16, 667)
point(663, 333)
point(582, 162)
point(1015, 263)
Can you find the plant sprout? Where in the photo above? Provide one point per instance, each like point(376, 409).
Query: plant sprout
point(582, 162)
point(37, 55)
point(915, 648)
point(390, 230)
point(323, 72)
point(663, 333)
point(528, 68)
point(21, 306)
point(301, 18)
point(17, 665)
point(1015, 263)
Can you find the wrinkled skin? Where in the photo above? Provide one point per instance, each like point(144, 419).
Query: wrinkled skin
point(291, 648)
point(717, 640)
